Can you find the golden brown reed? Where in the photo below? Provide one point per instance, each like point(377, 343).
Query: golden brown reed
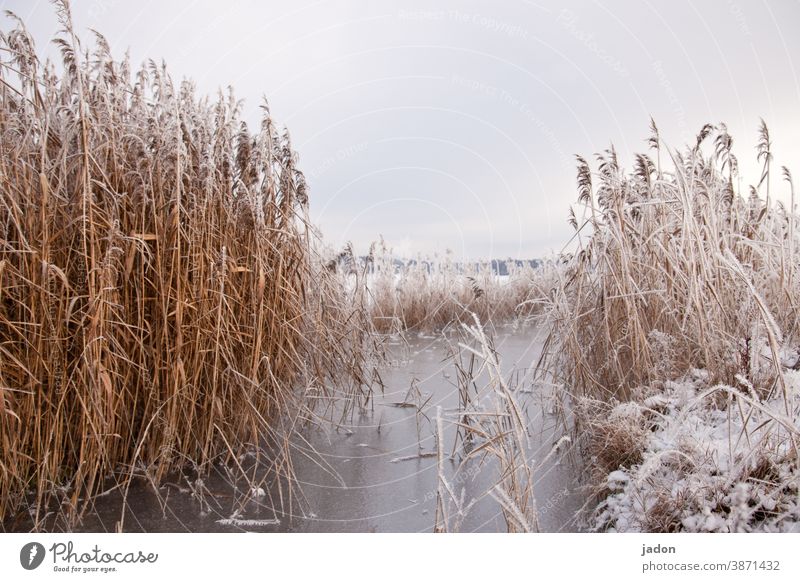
point(161, 298)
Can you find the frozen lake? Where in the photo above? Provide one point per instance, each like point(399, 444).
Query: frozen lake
point(377, 471)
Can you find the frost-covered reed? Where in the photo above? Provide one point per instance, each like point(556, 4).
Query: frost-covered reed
point(426, 294)
point(678, 273)
point(161, 297)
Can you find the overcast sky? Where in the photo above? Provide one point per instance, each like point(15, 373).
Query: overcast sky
point(452, 124)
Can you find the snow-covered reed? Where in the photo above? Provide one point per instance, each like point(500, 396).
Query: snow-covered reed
point(492, 433)
point(677, 271)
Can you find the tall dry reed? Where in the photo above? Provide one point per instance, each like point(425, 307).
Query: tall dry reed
point(433, 293)
point(681, 301)
point(676, 270)
point(161, 298)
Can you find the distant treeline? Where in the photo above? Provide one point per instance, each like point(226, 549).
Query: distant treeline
point(498, 266)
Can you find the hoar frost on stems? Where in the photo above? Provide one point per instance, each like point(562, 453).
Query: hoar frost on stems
point(162, 295)
point(674, 272)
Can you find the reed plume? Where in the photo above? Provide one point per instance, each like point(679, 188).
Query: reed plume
point(162, 298)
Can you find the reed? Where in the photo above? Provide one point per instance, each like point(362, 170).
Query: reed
point(676, 271)
point(492, 433)
point(427, 294)
point(162, 298)
point(679, 271)
point(493, 426)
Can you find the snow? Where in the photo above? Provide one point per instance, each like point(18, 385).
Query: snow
point(715, 460)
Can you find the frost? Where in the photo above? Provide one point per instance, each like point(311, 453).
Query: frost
point(617, 480)
point(716, 460)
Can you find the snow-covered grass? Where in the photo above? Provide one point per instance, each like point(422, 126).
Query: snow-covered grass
point(676, 272)
point(708, 459)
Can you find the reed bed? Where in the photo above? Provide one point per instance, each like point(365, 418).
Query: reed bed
point(162, 299)
point(428, 294)
point(674, 329)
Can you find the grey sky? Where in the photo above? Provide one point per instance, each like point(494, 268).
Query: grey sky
point(452, 124)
